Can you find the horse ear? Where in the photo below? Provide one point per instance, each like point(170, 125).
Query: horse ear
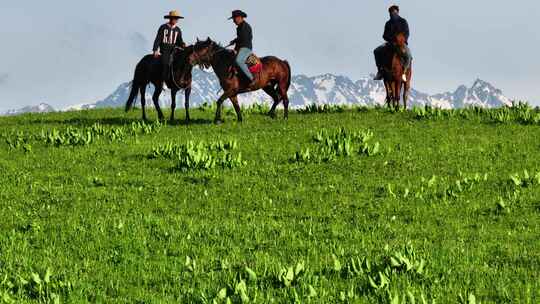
point(208, 39)
point(198, 39)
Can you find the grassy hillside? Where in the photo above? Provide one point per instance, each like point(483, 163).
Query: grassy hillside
point(353, 206)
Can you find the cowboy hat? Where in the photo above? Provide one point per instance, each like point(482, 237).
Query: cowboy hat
point(173, 15)
point(238, 13)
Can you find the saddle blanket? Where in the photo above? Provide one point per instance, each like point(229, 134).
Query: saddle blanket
point(254, 64)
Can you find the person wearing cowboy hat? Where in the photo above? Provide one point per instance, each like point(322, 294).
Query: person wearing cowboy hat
point(168, 37)
point(243, 44)
point(394, 26)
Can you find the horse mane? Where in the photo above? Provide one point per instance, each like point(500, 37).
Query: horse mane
point(181, 57)
point(223, 55)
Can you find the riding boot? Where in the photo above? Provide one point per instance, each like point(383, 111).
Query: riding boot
point(165, 76)
point(253, 84)
point(379, 75)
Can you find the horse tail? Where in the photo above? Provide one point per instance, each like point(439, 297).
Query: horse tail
point(132, 96)
point(135, 86)
point(289, 78)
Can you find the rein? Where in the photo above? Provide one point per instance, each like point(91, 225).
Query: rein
point(210, 56)
point(173, 79)
point(172, 70)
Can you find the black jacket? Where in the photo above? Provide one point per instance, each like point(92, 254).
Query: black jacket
point(394, 26)
point(167, 37)
point(244, 36)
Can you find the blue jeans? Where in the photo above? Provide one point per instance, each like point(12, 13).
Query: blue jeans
point(241, 58)
point(406, 57)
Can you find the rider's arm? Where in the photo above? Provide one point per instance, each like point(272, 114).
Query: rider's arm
point(159, 39)
point(406, 29)
point(180, 41)
point(387, 36)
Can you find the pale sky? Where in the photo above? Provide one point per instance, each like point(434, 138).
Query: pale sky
point(66, 52)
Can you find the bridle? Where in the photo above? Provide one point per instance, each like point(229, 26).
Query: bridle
point(198, 59)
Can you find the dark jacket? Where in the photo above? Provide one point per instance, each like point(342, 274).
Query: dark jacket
point(168, 37)
point(394, 26)
point(244, 36)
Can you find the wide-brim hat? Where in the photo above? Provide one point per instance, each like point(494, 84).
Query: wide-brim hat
point(173, 15)
point(238, 13)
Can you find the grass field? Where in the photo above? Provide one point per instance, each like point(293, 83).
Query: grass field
point(343, 206)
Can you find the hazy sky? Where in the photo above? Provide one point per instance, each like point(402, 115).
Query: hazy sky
point(67, 52)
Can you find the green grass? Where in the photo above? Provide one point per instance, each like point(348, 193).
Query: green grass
point(107, 210)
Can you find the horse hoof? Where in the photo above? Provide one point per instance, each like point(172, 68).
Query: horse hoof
point(218, 122)
point(272, 115)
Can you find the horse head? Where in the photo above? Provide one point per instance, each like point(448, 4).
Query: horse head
point(400, 40)
point(203, 52)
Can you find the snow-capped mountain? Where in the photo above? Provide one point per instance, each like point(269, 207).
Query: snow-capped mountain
point(41, 108)
point(321, 89)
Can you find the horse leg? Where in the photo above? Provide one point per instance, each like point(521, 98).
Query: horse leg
point(173, 104)
point(407, 87)
point(217, 119)
point(270, 90)
point(399, 83)
point(283, 88)
point(236, 106)
point(388, 94)
point(286, 106)
point(187, 94)
point(155, 98)
point(143, 102)
point(406, 91)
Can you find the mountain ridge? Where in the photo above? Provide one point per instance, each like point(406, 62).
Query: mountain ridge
point(305, 90)
point(326, 89)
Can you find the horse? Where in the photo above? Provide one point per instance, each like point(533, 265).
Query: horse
point(149, 70)
point(393, 81)
point(274, 79)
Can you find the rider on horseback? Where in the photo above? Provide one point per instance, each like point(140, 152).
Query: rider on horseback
point(169, 37)
point(243, 44)
point(393, 27)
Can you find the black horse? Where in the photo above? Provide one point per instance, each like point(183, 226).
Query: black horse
point(149, 70)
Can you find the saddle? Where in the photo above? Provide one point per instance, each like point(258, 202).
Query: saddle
point(254, 64)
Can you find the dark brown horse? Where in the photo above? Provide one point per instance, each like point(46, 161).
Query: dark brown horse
point(393, 81)
point(149, 70)
point(274, 79)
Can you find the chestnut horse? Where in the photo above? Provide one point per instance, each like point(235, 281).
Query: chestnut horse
point(393, 81)
point(149, 70)
point(274, 79)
